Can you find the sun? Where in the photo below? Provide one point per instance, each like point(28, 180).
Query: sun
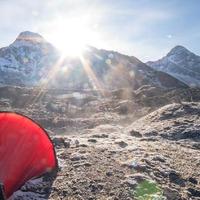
point(71, 36)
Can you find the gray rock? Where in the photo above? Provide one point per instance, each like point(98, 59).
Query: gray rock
point(77, 157)
point(122, 144)
point(135, 134)
point(159, 158)
point(131, 183)
point(92, 140)
point(171, 194)
point(60, 142)
point(194, 192)
point(193, 180)
point(174, 177)
point(109, 173)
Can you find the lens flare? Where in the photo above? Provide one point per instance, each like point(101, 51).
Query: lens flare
point(71, 36)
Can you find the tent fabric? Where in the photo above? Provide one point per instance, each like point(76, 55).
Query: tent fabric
point(25, 151)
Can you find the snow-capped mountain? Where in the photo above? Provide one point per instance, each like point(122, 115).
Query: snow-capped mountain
point(181, 64)
point(30, 60)
point(25, 61)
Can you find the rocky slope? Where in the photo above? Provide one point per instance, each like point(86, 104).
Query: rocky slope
point(124, 145)
point(181, 64)
point(31, 61)
point(150, 159)
point(170, 122)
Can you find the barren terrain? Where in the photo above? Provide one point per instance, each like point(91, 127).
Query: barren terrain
point(124, 144)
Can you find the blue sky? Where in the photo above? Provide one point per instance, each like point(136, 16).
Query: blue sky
point(147, 29)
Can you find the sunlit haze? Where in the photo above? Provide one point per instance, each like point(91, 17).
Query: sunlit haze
point(71, 36)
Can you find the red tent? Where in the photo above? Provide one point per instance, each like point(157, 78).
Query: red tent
point(25, 151)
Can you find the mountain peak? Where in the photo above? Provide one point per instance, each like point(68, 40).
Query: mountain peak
point(178, 50)
point(179, 47)
point(30, 36)
point(180, 63)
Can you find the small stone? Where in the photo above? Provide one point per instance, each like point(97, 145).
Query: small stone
point(131, 183)
point(67, 144)
point(171, 194)
point(111, 193)
point(196, 145)
point(87, 164)
point(135, 165)
point(64, 193)
point(109, 174)
point(135, 134)
point(77, 157)
point(60, 142)
point(93, 188)
point(113, 152)
point(92, 140)
point(74, 188)
point(83, 145)
point(175, 178)
point(140, 167)
point(122, 144)
point(193, 180)
point(194, 192)
point(150, 134)
point(76, 142)
point(159, 158)
point(77, 165)
point(100, 186)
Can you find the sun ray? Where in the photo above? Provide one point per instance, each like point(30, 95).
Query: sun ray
point(91, 75)
point(44, 86)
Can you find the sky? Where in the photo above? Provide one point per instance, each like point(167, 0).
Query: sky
point(146, 29)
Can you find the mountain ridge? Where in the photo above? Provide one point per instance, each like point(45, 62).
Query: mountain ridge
point(30, 60)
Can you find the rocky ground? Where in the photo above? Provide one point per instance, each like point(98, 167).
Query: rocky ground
point(117, 147)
